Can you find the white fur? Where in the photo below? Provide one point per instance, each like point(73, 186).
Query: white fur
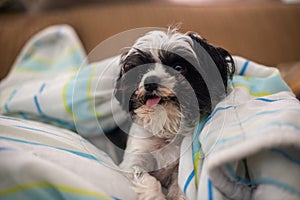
point(171, 41)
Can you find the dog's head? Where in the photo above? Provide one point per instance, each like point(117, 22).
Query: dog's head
point(168, 77)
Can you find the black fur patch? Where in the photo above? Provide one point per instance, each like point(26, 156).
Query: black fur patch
point(129, 79)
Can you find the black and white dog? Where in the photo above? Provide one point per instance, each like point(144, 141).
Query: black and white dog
point(167, 80)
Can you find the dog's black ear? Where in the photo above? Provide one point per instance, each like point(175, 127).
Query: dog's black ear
point(122, 92)
point(119, 90)
point(220, 56)
point(126, 83)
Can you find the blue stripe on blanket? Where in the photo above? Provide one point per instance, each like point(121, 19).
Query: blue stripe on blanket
point(188, 181)
point(11, 96)
point(42, 131)
point(278, 184)
point(237, 178)
point(78, 153)
point(59, 122)
point(283, 124)
point(258, 181)
point(274, 100)
point(9, 118)
point(42, 88)
point(286, 155)
point(261, 130)
point(210, 190)
point(217, 110)
point(23, 115)
point(242, 122)
point(269, 112)
point(37, 105)
point(242, 72)
point(196, 146)
point(269, 100)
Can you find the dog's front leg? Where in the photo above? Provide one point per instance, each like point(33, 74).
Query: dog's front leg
point(146, 187)
point(174, 192)
point(138, 161)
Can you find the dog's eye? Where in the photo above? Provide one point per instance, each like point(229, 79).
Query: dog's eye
point(180, 69)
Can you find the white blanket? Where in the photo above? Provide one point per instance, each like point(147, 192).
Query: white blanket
point(249, 147)
point(52, 82)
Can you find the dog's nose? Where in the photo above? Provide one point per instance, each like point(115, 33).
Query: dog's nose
point(150, 87)
point(151, 83)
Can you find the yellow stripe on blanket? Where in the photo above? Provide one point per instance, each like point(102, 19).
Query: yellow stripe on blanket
point(64, 96)
point(62, 188)
point(259, 94)
point(91, 97)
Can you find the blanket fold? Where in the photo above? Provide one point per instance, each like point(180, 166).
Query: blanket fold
point(52, 82)
point(250, 144)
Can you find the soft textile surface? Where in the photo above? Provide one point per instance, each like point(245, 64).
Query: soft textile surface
point(249, 147)
point(40, 161)
point(250, 144)
point(51, 82)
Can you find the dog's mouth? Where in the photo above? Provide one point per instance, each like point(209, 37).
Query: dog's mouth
point(153, 100)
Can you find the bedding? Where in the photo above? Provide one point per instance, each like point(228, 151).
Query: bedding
point(248, 148)
point(41, 161)
point(51, 82)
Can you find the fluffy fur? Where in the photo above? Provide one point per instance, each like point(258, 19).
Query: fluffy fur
point(167, 80)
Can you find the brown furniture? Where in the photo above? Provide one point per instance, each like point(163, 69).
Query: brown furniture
point(268, 33)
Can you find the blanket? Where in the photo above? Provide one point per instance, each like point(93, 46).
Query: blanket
point(51, 82)
point(248, 148)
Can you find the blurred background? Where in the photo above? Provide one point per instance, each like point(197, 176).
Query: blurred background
point(36, 6)
point(44, 5)
point(265, 31)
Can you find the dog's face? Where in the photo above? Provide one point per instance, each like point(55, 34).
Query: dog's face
point(165, 81)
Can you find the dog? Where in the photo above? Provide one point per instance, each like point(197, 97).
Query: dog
point(167, 81)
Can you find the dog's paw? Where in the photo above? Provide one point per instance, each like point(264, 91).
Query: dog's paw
point(146, 186)
point(176, 196)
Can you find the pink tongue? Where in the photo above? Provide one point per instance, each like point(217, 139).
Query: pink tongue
point(152, 102)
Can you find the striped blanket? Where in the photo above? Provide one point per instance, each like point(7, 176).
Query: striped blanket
point(248, 148)
point(51, 82)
